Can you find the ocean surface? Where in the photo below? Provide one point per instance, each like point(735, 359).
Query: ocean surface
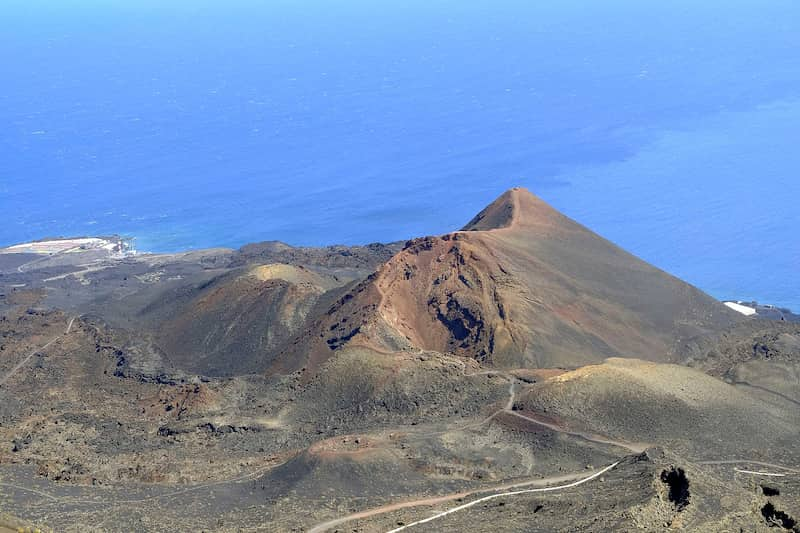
point(672, 128)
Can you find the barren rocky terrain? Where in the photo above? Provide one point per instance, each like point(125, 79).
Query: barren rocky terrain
point(522, 374)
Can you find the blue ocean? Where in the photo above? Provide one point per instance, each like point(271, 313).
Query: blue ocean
point(671, 128)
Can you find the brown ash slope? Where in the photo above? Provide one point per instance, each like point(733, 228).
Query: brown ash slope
point(230, 324)
point(239, 320)
point(522, 285)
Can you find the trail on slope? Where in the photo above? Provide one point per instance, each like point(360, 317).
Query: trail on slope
point(509, 409)
point(765, 389)
point(192, 488)
point(34, 352)
point(450, 497)
point(635, 448)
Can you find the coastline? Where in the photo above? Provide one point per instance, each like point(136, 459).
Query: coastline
point(98, 248)
point(113, 244)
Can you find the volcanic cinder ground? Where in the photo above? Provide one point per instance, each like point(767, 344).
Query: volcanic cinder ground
point(521, 374)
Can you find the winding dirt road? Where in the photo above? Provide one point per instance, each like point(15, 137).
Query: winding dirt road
point(509, 409)
point(633, 447)
point(505, 494)
point(450, 497)
point(504, 490)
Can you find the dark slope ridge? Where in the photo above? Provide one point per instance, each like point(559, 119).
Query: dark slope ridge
point(521, 285)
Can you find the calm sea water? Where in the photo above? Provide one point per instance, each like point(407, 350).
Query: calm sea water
point(672, 128)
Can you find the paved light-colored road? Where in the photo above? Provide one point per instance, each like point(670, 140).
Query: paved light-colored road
point(450, 497)
point(755, 473)
point(748, 462)
point(505, 494)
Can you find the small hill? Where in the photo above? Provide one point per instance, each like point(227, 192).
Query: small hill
point(233, 323)
point(521, 286)
point(670, 405)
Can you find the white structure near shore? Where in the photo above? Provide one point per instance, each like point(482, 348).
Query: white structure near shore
point(743, 309)
point(111, 245)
